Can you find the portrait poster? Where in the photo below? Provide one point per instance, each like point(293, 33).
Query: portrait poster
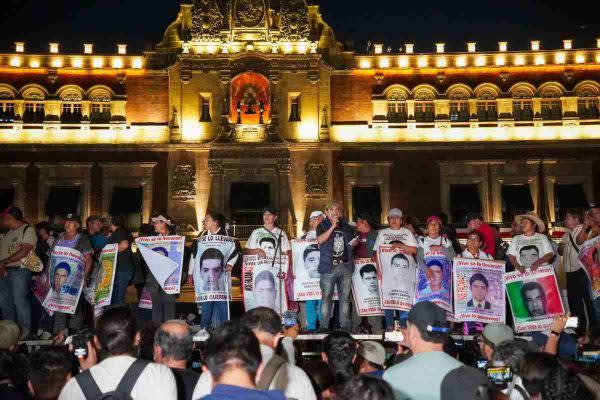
point(589, 257)
point(40, 286)
point(305, 254)
point(145, 300)
point(434, 280)
point(67, 268)
point(365, 288)
point(398, 278)
point(478, 290)
point(164, 256)
point(106, 275)
point(211, 281)
point(263, 282)
point(534, 298)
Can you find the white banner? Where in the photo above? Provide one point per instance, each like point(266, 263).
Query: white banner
point(164, 256)
point(67, 269)
point(306, 256)
point(263, 283)
point(398, 278)
point(211, 281)
point(365, 288)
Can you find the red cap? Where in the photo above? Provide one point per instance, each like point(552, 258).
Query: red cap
point(434, 218)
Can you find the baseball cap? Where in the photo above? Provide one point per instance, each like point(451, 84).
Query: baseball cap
point(74, 218)
point(395, 212)
point(315, 214)
point(463, 383)
point(429, 317)
point(372, 352)
point(9, 334)
point(271, 210)
point(162, 218)
point(13, 211)
point(497, 332)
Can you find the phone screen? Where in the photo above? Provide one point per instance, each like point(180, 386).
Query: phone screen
point(482, 364)
point(500, 376)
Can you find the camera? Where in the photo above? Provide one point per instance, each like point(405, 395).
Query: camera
point(80, 343)
point(499, 376)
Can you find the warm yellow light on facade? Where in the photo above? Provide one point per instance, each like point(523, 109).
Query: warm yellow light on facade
point(422, 62)
point(480, 61)
point(384, 62)
point(77, 62)
point(535, 45)
point(302, 47)
point(98, 62)
point(117, 63)
point(365, 63)
point(519, 60)
point(122, 49)
point(472, 47)
point(502, 46)
point(54, 48)
point(567, 44)
point(598, 58)
point(57, 62)
point(540, 60)
point(211, 48)
point(15, 62)
point(461, 61)
point(20, 47)
point(403, 61)
point(500, 61)
point(580, 58)
point(287, 48)
point(137, 63)
point(441, 62)
point(88, 48)
point(439, 47)
point(34, 63)
point(410, 48)
point(598, 43)
point(559, 58)
point(378, 48)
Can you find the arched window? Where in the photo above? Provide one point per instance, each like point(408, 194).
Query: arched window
point(551, 104)
point(486, 106)
point(424, 107)
point(396, 105)
point(522, 105)
point(71, 106)
point(459, 105)
point(587, 102)
point(34, 110)
point(100, 106)
point(7, 105)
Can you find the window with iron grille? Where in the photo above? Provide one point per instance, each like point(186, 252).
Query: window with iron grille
point(34, 113)
point(71, 113)
point(397, 111)
point(7, 111)
point(424, 111)
point(487, 110)
point(587, 108)
point(523, 110)
point(100, 113)
point(459, 111)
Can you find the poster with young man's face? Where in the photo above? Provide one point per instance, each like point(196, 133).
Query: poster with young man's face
point(306, 256)
point(478, 290)
point(398, 278)
point(365, 288)
point(434, 281)
point(262, 283)
point(589, 257)
point(66, 276)
point(164, 257)
point(209, 262)
point(534, 298)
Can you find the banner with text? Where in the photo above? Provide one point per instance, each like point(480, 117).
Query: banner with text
point(398, 278)
point(164, 256)
point(67, 268)
point(306, 256)
point(365, 288)
point(262, 282)
point(210, 283)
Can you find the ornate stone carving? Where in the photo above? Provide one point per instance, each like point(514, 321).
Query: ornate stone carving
point(504, 76)
point(207, 21)
point(316, 178)
point(284, 166)
point(250, 13)
point(215, 167)
point(294, 20)
point(184, 181)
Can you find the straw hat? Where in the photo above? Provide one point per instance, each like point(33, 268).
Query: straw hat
point(533, 217)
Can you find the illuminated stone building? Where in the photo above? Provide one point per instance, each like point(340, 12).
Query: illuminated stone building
point(247, 102)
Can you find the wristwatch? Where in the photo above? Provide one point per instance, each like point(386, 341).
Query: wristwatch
point(557, 334)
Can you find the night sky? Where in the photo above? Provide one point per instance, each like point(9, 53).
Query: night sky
point(140, 23)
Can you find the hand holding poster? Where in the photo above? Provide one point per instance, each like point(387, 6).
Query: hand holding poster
point(106, 275)
point(365, 288)
point(305, 254)
point(478, 290)
point(40, 286)
point(534, 298)
point(434, 282)
point(209, 263)
point(398, 278)
point(67, 267)
point(589, 257)
point(164, 256)
point(263, 284)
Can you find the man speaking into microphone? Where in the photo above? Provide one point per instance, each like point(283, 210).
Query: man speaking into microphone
point(336, 265)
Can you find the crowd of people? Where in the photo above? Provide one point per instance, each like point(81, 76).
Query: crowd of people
point(257, 356)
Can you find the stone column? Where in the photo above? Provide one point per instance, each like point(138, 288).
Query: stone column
point(284, 166)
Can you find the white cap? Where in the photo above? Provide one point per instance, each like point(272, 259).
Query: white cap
point(315, 214)
point(395, 212)
point(163, 219)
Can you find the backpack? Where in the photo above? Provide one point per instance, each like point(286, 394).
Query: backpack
point(274, 374)
point(91, 391)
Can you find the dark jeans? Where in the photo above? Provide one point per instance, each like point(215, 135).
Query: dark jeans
point(580, 299)
point(163, 306)
point(213, 314)
point(342, 276)
point(119, 294)
point(14, 297)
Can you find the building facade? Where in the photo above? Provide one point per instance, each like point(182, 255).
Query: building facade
point(246, 103)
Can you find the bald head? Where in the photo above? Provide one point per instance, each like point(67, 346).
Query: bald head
point(173, 342)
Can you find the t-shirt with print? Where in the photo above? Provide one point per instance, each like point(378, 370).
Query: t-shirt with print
point(340, 250)
point(388, 235)
point(266, 240)
point(528, 249)
point(482, 255)
point(12, 240)
point(425, 242)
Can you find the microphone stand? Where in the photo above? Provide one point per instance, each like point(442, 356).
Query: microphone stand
point(281, 286)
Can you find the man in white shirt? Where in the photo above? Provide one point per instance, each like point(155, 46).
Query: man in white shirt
point(116, 335)
point(276, 372)
point(268, 240)
point(578, 284)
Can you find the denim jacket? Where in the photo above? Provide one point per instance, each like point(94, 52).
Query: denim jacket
point(326, 249)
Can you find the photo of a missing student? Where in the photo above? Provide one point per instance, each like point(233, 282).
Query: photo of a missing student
point(479, 289)
point(212, 270)
point(365, 288)
point(265, 290)
point(398, 278)
point(306, 257)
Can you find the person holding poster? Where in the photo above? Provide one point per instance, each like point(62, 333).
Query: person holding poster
point(404, 242)
point(105, 282)
point(365, 288)
point(125, 259)
point(531, 249)
point(591, 230)
point(534, 298)
point(261, 287)
point(71, 238)
point(214, 254)
point(398, 281)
